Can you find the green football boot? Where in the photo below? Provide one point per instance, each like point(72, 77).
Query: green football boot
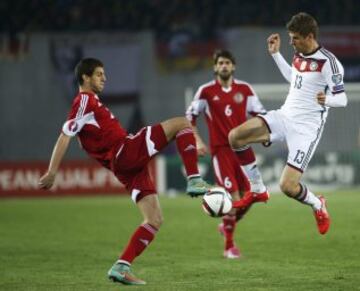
point(121, 273)
point(197, 186)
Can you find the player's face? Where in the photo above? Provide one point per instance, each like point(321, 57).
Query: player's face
point(300, 43)
point(224, 68)
point(97, 80)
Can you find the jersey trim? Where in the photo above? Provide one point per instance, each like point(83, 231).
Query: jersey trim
point(264, 120)
point(83, 104)
point(313, 143)
point(294, 167)
point(330, 56)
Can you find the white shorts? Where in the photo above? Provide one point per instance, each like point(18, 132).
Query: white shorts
point(301, 138)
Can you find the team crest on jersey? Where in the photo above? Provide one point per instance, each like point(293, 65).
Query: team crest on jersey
point(313, 66)
point(238, 98)
point(337, 79)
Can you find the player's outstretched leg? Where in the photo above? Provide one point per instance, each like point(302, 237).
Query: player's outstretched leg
point(179, 128)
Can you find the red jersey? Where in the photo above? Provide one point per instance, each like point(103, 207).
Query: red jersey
point(99, 132)
point(224, 108)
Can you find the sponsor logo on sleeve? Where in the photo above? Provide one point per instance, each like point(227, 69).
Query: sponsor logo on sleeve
point(337, 78)
point(338, 88)
point(73, 126)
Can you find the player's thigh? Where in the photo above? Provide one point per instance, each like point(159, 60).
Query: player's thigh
point(151, 210)
point(138, 149)
point(253, 130)
point(172, 126)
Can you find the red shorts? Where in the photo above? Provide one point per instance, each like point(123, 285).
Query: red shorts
point(228, 173)
point(130, 165)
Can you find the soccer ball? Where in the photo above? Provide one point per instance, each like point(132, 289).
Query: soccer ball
point(217, 202)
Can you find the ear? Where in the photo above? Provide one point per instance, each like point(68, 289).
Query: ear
point(214, 68)
point(85, 77)
point(310, 36)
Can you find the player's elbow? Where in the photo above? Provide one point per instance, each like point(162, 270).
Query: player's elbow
point(235, 141)
point(342, 100)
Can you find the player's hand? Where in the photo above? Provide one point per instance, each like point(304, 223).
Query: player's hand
point(321, 98)
point(47, 180)
point(202, 149)
point(273, 42)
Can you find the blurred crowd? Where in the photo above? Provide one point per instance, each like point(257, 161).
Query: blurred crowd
point(202, 17)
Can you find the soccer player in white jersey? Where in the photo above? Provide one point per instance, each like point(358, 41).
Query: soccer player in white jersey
point(316, 83)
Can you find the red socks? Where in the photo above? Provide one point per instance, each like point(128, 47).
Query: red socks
point(245, 157)
point(186, 144)
point(141, 238)
point(229, 229)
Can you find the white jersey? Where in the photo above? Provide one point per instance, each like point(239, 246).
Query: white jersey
point(310, 74)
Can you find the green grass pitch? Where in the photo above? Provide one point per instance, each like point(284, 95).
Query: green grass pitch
point(70, 243)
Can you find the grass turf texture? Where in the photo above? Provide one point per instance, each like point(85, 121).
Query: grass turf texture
point(70, 243)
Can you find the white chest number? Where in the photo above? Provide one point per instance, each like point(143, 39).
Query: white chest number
point(228, 110)
point(298, 82)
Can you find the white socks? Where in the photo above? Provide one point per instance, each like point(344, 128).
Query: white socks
point(253, 174)
point(313, 200)
point(307, 197)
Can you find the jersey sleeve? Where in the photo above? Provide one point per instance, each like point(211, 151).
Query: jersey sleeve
point(78, 115)
point(196, 107)
point(254, 105)
point(333, 73)
point(283, 66)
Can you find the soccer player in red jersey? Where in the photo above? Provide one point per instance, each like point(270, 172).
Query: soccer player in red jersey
point(127, 156)
point(226, 103)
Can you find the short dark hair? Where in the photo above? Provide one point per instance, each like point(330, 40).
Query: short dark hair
point(223, 54)
point(304, 24)
point(86, 66)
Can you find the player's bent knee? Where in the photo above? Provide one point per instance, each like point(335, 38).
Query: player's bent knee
point(288, 188)
point(156, 220)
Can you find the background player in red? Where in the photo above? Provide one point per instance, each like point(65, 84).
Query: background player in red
point(226, 103)
point(103, 138)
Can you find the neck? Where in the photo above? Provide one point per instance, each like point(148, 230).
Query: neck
point(86, 89)
point(225, 83)
point(312, 48)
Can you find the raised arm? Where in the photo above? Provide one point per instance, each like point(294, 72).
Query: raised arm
point(60, 148)
point(274, 49)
